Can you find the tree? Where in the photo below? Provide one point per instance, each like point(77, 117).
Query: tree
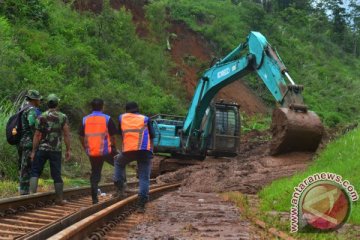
point(297, 4)
point(354, 19)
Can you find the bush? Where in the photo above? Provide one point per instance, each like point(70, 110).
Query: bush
point(8, 153)
point(302, 39)
point(82, 56)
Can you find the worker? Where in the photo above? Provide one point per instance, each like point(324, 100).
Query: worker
point(47, 145)
point(97, 135)
point(28, 119)
point(137, 144)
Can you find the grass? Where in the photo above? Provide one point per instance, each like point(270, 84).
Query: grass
point(8, 188)
point(9, 157)
point(255, 122)
point(251, 211)
point(340, 156)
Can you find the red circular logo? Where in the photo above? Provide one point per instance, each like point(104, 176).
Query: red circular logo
point(325, 206)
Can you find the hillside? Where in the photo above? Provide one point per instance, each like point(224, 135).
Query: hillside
point(307, 41)
point(50, 47)
point(155, 51)
point(96, 50)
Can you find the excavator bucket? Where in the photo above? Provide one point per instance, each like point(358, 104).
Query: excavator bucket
point(295, 131)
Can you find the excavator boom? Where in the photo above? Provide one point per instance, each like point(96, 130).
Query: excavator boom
point(294, 127)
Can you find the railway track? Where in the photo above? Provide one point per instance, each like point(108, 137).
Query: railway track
point(112, 222)
point(37, 217)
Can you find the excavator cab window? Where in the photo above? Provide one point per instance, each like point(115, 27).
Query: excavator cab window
point(226, 130)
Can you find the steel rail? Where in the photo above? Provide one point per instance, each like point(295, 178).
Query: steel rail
point(13, 204)
point(36, 217)
point(81, 229)
point(9, 205)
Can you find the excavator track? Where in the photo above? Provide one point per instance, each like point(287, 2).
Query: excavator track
point(162, 164)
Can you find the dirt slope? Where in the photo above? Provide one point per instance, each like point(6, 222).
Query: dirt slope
point(188, 44)
point(252, 169)
point(189, 50)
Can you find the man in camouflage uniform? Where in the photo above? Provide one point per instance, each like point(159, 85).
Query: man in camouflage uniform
point(50, 127)
point(28, 119)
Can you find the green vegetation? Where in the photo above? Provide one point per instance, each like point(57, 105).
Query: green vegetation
point(50, 47)
point(250, 209)
point(8, 153)
point(321, 53)
point(9, 188)
point(340, 157)
point(255, 122)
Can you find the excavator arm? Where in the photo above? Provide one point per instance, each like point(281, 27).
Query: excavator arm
point(255, 55)
point(213, 128)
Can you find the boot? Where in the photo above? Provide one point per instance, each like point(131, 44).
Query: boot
point(33, 184)
point(94, 194)
point(119, 189)
point(59, 194)
point(141, 205)
point(128, 190)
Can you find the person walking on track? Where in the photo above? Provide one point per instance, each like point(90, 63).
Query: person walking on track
point(50, 127)
point(97, 136)
point(137, 145)
point(28, 119)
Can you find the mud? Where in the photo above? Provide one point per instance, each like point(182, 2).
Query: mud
point(295, 131)
point(207, 216)
point(252, 169)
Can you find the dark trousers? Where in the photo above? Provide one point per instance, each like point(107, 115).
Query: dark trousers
point(96, 167)
point(55, 164)
point(143, 159)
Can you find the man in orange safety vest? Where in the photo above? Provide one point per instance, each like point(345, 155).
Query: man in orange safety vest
point(137, 145)
point(97, 136)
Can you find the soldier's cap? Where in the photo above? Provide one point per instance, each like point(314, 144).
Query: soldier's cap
point(33, 94)
point(53, 98)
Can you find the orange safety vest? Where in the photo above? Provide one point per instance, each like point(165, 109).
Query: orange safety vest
point(135, 132)
point(97, 139)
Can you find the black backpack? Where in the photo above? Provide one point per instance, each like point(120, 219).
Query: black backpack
point(14, 127)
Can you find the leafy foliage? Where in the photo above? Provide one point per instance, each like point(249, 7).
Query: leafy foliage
point(9, 156)
point(82, 56)
point(48, 46)
point(344, 152)
point(305, 38)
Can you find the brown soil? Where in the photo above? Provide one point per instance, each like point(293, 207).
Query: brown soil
point(138, 14)
point(188, 44)
point(87, 5)
point(207, 216)
point(248, 172)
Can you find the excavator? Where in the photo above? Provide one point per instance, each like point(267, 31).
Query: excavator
point(213, 128)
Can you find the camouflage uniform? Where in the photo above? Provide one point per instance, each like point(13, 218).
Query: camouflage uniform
point(50, 124)
point(28, 120)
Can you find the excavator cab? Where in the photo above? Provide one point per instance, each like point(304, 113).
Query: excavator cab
point(225, 130)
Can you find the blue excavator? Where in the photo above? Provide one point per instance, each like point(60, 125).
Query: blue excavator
point(213, 128)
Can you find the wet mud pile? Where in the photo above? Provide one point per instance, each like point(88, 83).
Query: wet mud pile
point(252, 169)
point(189, 215)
